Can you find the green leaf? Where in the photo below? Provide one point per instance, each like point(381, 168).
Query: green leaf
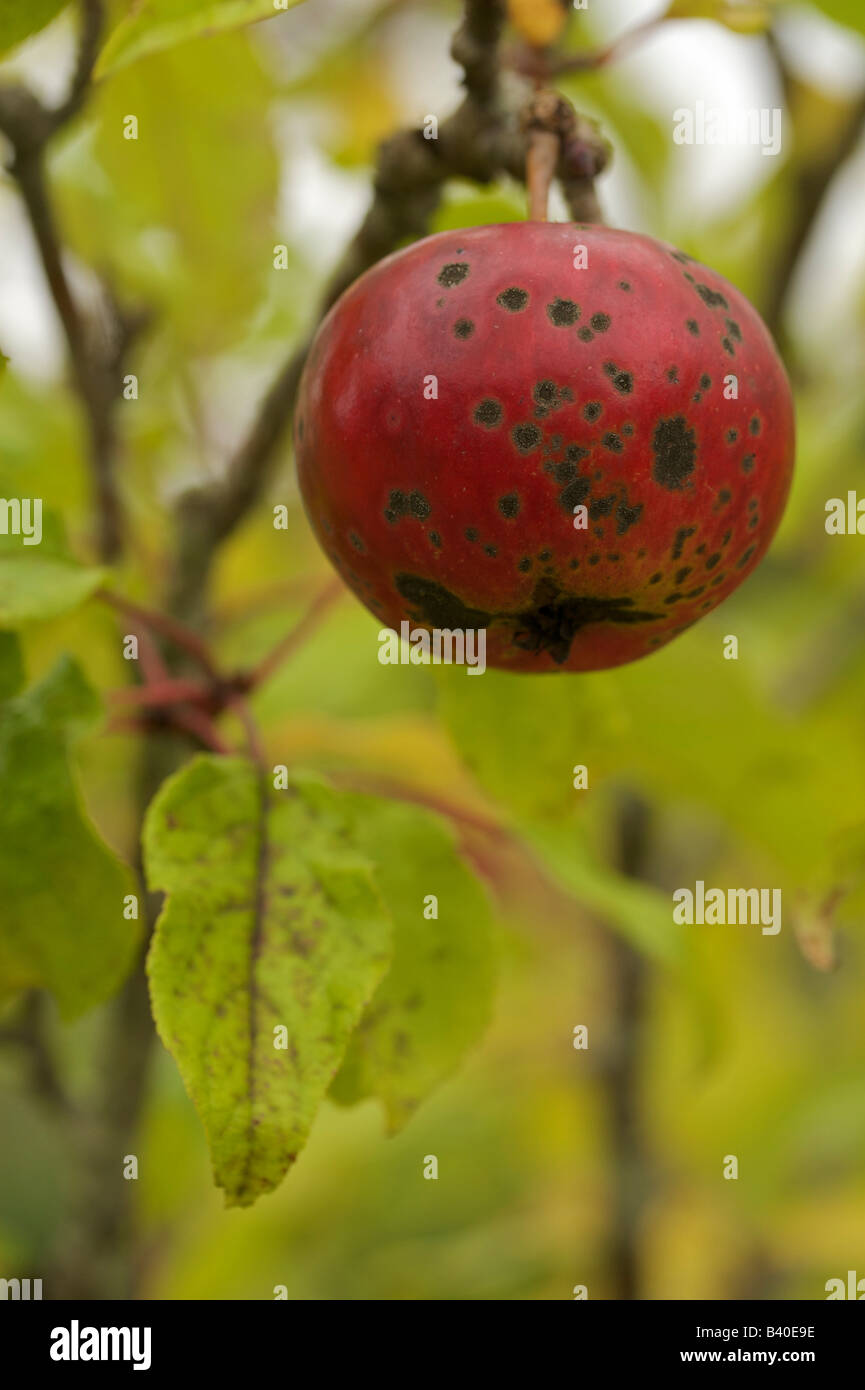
point(154, 25)
point(848, 12)
point(272, 921)
point(640, 912)
point(521, 735)
point(155, 221)
point(38, 581)
point(435, 1000)
point(62, 926)
point(21, 18)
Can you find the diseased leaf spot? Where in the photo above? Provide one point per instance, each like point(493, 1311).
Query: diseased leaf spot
point(463, 328)
point(693, 327)
point(592, 410)
point(600, 322)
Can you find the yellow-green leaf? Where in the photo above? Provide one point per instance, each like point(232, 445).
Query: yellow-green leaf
point(271, 943)
point(21, 18)
point(435, 1000)
point(154, 25)
point(38, 577)
point(62, 926)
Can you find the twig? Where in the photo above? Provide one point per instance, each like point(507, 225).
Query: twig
point(163, 623)
point(88, 51)
point(96, 362)
point(477, 142)
point(298, 635)
point(812, 178)
point(621, 1069)
point(538, 63)
point(29, 1032)
point(254, 741)
point(170, 691)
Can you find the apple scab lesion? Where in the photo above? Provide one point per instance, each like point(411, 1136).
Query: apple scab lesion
point(563, 313)
point(513, 299)
point(452, 274)
point(549, 624)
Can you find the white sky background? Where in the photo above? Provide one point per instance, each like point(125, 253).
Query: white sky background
point(320, 206)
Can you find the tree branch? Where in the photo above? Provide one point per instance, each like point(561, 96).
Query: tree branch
point(812, 178)
point(29, 1033)
point(477, 142)
point(96, 360)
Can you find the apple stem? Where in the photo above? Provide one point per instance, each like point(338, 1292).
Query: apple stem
point(561, 144)
point(541, 160)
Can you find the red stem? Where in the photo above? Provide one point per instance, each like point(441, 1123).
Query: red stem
point(169, 627)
